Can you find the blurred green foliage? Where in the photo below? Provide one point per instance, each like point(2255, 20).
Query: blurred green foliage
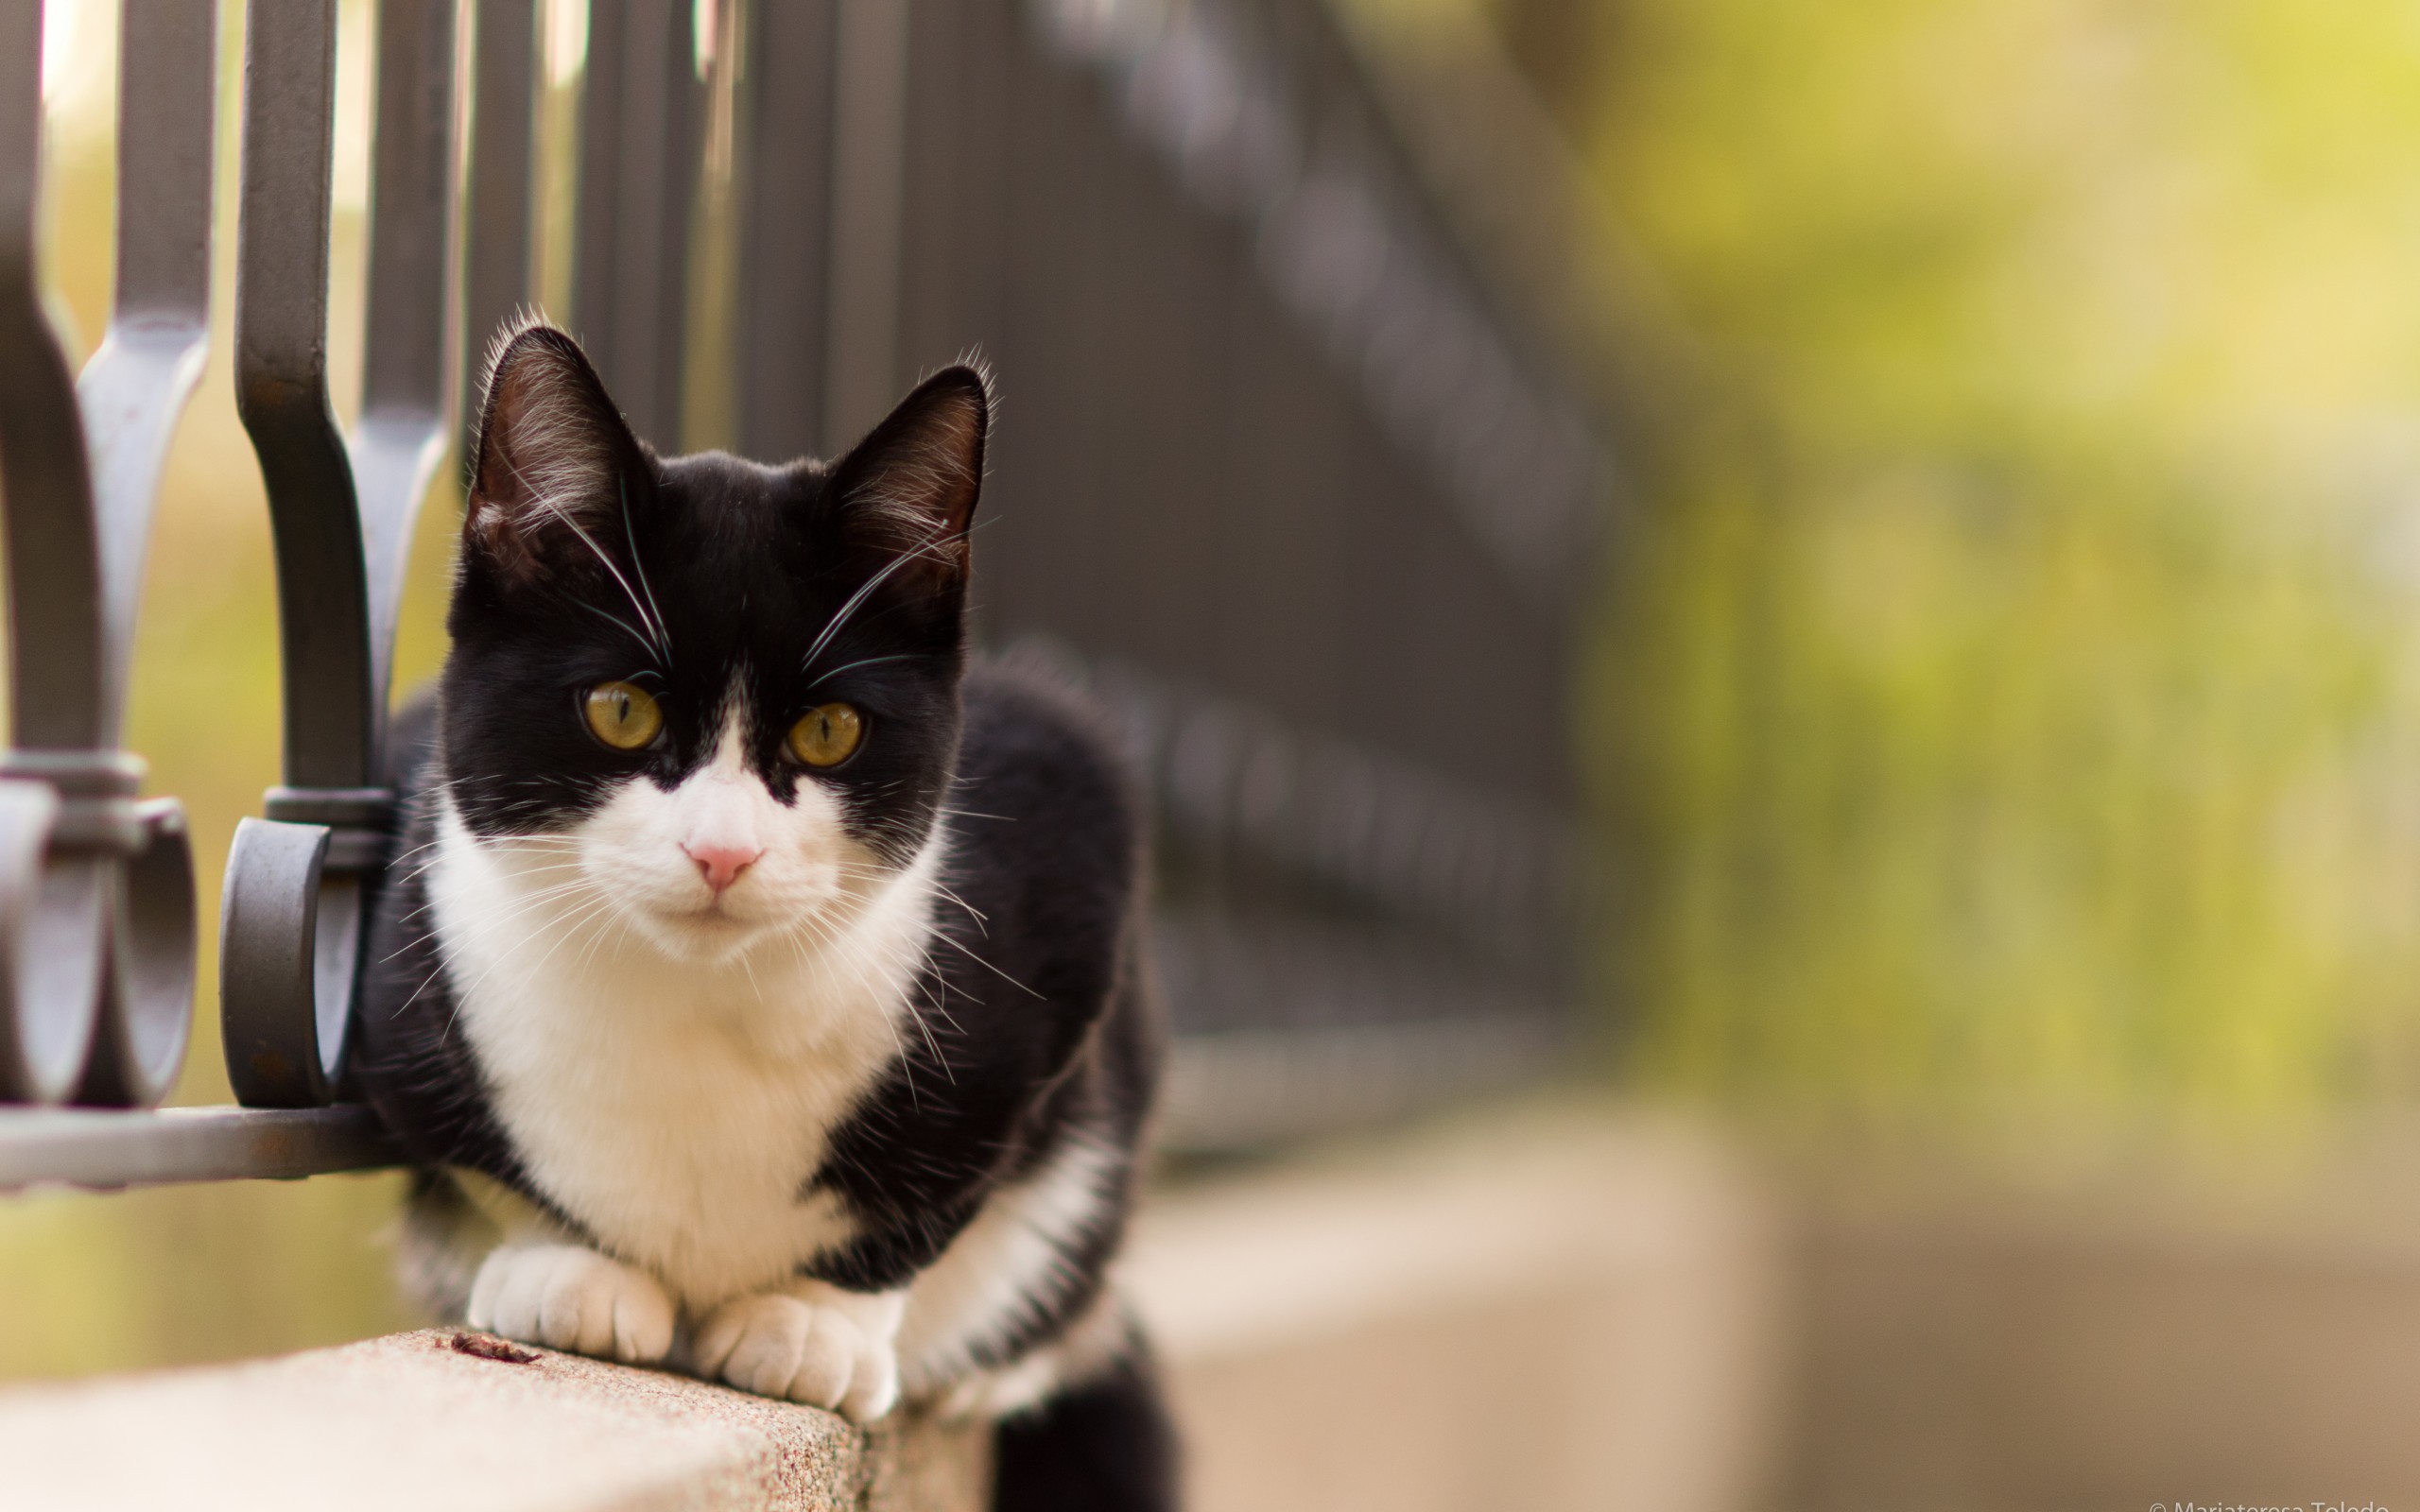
point(2006, 695)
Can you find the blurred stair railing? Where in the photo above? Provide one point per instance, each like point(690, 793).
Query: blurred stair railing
point(1277, 480)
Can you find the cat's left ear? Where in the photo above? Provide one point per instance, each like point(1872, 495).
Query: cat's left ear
point(909, 488)
point(550, 464)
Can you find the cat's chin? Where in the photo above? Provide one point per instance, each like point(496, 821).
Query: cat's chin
point(700, 935)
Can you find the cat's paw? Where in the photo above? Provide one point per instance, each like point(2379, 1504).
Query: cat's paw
point(567, 1297)
point(826, 1353)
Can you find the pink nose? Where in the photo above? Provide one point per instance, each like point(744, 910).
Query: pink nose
point(721, 864)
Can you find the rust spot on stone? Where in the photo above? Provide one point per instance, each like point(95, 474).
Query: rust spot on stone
point(480, 1347)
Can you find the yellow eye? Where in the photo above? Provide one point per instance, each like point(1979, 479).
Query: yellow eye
point(827, 735)
point(622, 715)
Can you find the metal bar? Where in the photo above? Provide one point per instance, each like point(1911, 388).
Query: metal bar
point(785, 219)
point(870, 132)
point(665, 101)
point(1498, 873)
point(131, 395)
point(287, 1048)
point(51, 940)
point(500, 209)
point(638, 173)
point(1251, 1088)
point(596, 210)
point(60, 686)
point(75, 1148)
point(146, 1017)
point(1292, 152)
point(291, 929)
point(55, 599)
point(136, 386)
point(405, 425)
point(282, 391)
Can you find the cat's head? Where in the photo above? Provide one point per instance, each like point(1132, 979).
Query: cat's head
point(717, 700)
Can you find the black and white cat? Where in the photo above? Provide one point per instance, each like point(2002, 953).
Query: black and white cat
point(759, 987)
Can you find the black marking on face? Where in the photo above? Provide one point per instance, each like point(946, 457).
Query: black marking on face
point(587, 560)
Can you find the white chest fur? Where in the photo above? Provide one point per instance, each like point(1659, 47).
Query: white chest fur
point(675, 1106)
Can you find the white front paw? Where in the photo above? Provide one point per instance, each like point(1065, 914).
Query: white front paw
point(776, 1345)
point(567, 1297)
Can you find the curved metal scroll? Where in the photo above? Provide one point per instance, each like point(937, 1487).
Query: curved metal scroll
point(55, 610)
point(148, 995)
point(342, 512)
point(270, 959)
point(98, 937)
point(132, 394)
point(31, 1050)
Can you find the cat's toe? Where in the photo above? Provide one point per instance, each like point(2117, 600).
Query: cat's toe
point(755, 1342)
point(874, 1389)
point(642, 1322)
point(778, 1346)
point(830, 1361)
point(569, 1297)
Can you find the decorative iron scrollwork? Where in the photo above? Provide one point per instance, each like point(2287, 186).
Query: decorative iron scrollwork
point(96, 884)
point(342, 510)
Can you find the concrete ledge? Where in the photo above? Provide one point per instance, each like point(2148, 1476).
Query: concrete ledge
point(1559, 1309)
point(439, 1419)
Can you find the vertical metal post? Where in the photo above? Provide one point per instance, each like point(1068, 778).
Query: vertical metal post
point(639, 115)
point(53, 990)
point(80, 952)
point(131, 396)
point(784, 227)
point(870, 110)
point(138, 382)
point(281, 389)
point(408, 356)
point(342, 510)
point(285, 1041)
point(499, 206)
point(57, 680)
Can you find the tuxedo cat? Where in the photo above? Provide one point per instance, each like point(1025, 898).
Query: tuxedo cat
point(758, 986)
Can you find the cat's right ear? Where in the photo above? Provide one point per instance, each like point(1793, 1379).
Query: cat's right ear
point(553, 458)
point(908, 489)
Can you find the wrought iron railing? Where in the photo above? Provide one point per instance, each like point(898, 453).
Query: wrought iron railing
point(1275, 479)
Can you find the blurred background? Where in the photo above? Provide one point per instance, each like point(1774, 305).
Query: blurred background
point(1930, 700)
